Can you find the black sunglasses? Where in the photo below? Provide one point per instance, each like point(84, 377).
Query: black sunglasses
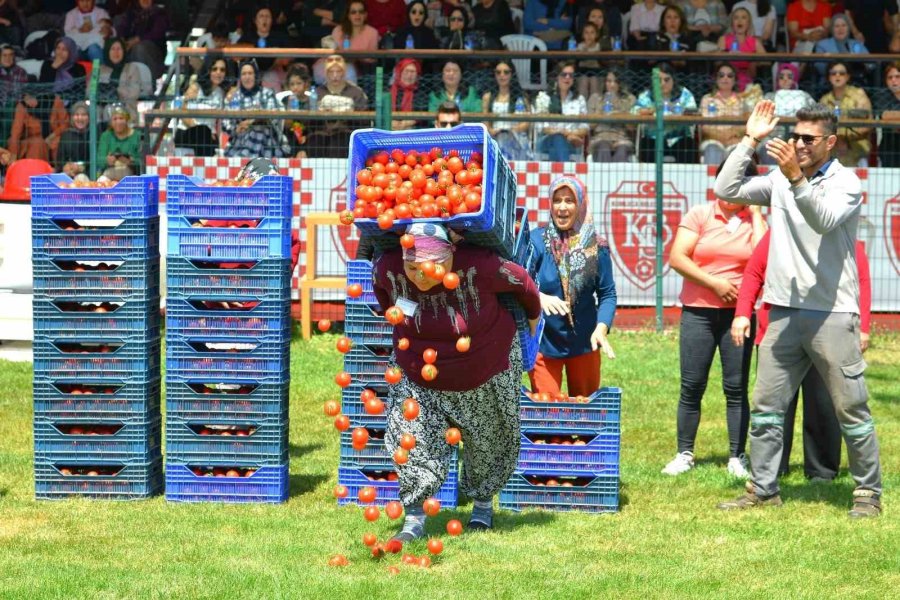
point(807, 138)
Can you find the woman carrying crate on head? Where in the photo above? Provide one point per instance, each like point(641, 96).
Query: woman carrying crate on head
point(478, 366)
point(578, 294)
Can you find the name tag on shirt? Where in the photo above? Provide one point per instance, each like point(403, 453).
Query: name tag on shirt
point(407, 306)
point(733, 224)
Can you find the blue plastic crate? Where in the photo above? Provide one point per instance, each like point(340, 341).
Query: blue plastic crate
point(356, 479)
point(135, 439)
point(245, 398)
point(267, 278)
point(136, 356)
point(598, 456)
point(491, 226)
point(204, 316)
point(191, 197)
point(134, 196)
point(530, 343)
point(262, 440)
point(70, 317)
point(360, 271)
point(352, 405)
point(265, 359)
point(267, 484)
point(523, 252)
point(98, 239)
point(591, 494)
point(68, 398)
point(375, 454)
point(128, 277)
point(58, 480)
point(366, 363)
point(601, 411)
point(365, 324)
point(271, 238)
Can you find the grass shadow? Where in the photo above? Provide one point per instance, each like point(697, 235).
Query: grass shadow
point(296, 451)
point(504, 520)
point(715, 459)
point(299, 485)
point(836, 493)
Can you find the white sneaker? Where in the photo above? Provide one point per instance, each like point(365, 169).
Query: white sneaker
point(682, 463)
point(739, 466)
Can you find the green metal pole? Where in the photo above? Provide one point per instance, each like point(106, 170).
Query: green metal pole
point(658, 158)
point(379, 100)
point(92, 115)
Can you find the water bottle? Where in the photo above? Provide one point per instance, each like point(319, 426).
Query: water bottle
point(469, 44)
point(674, 46)
point(177, 102)
point(410, 42)
point(837, 111)
point(294, 103)
point(235, 102)
point(520, 105)
point(734, 45)
point(712, 110)
point(573, 44)
point(667, 108)
point(616, 44)
point(346, 43)
point(677, 108)
point(313, 99)
point(261, 43)
point(607, 103)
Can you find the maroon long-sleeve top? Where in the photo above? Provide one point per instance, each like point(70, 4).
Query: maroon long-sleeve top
point(442, 316)
point(755, 276)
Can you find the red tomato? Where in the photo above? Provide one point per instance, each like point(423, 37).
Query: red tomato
point(412, 158)
point(407, 441)
point(377, 551)
point(371, 513)
point(341, 491)
point(369, 539)
point(473, 202)
point(403, 211)
point(374, 406)
point(332, 408)
point(431, 507)
point(475, 175)
point(381, 157)
point(367, 395)
point(324, 325)
point(346, 217)
point(344, 344)
point(407, 241)
point(455, 164)
point(429, 356)
point(364, 177)
point(343, 379)
point(342, 423)
point(451, 281)
point(401, 456)
point(439, 272)
point(403, 344)
point(393, 509)
point(338, 560)
point(418, 179)
point(462, 177)
point(393, 375)
point(360, 436)
point(394, 315)
point(393, 546)
point(424, 562)
point(429, 372)
point(435, 546)
point(427, 267)
point(454, 527)
point(367, 495)
point(409, 559)
point(436, 152)
point(354, 290)
point(463, 343)
point(410, 409)
point(385, 221)
point(477, 157)
point(453, 436)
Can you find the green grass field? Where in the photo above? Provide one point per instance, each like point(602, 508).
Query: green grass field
point(667, 541)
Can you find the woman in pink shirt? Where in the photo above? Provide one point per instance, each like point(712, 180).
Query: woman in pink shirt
point(354, 32)
point(711, 248)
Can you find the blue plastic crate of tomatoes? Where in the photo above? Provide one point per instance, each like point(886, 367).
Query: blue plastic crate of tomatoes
point(58, 197)
point(226, 482)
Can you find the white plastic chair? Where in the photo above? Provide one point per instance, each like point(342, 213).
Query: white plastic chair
point(34, 35)
point(518, 19)
point(523, 65)
point(280, 96)
point(32, 66)
point(626, 23)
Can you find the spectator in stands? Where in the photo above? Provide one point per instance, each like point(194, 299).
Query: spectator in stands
point(45, 14)
point(506, 97)
point(26, 136)
point(840, 42)
point(788, 99)
point(453, 88)
point(673, 35)
point(740, 40)
point(712, 246)
point(457, 32)
point(120, 145)
point(207, 92)
point(559, 140)
point(549, 20)
point(853, 145)
point(644, 24)
point(679, 143)
point(574, 273)
point(319, 19)
point(808, 21)
point(12, 78)
point(448, 115)
point(262, 35)
point(723, 101)
point(609, 12)
point(592, 40)
point(83, 24)
point(611, 142)
point(406, 95)
point(706, 18)
point(125, 81)
point(74, 154)
point(12, 23)
point(895, 42)
point(298, 82)
point(65, 78)
point(868, 18)
point(889, 105)
point(358, 34)
point(764, 19)
point(423, 37)
point(493, 20)
point(386, 15)
point(330, 139)
point(143, 27)
point(249, 137)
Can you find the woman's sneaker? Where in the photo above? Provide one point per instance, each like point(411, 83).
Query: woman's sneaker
point(738, 466)
point(682, 463)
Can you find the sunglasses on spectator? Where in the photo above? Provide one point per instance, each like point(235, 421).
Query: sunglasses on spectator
point(725, 75)
point(807, 138)
point(837, 72)
point(567, 74)
point(456, 19)
point(447, 124)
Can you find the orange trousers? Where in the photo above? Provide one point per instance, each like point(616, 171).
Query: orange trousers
point(582, 374)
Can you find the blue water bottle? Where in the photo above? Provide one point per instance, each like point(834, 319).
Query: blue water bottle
point(734, 45)
point(520, 105)
point(235, 101)
point(410, 42)
point(313, 99)
point(261, 42)
point(573, 44)
point(674, 46)
point(678, 108)
point(346, 43)
point(294, 103)
point(837, 111)
point(177, 102)
point(712, 110)
point(469, 44)
point(617, 44)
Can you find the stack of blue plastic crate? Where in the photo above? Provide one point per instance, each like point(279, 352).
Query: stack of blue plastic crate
point(366, 362)
point(96, 338)
point(228, 340)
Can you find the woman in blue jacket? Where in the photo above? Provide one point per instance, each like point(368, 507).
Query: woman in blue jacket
point(578, 294)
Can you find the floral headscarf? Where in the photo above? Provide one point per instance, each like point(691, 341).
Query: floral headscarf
point(575, 249)
point(405, 92)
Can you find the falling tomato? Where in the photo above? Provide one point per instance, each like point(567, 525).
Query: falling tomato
point(371, 513)
point(369, 539)
point(394, 315)
point(342, 423)
point(407, 441)
point(429, 372)
point(453, 436)
point(403, 344)
point(401, 456)
point(360, 437)
point(407, 241)
point(367, 495)
point(424, 562)
point(454, 527)
point(429, 356)
point(324, 325)
point(432, 507)
point(374, 406)
point(393, 546)
point(393, 509)
point(377, 551)
point(354, 290)
point(338, 560)
point(341, 491)
point(393, 570)
point(332, 408)
point(463, 344)
point(410, 409)
point(451, 281)
point(435, 546)
point(393, 375)
point(409, 559)
point(343, 379)
point(344, 344)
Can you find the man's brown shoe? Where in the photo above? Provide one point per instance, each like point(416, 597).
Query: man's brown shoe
point(750, 499)
point(866, 504)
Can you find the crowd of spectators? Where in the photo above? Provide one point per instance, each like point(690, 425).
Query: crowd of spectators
point(128, 36)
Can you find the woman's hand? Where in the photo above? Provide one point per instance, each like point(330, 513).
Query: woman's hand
point(724, 289)
point(551, 305)
point(740, 330)
point(863, 341)
point(599, 340)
